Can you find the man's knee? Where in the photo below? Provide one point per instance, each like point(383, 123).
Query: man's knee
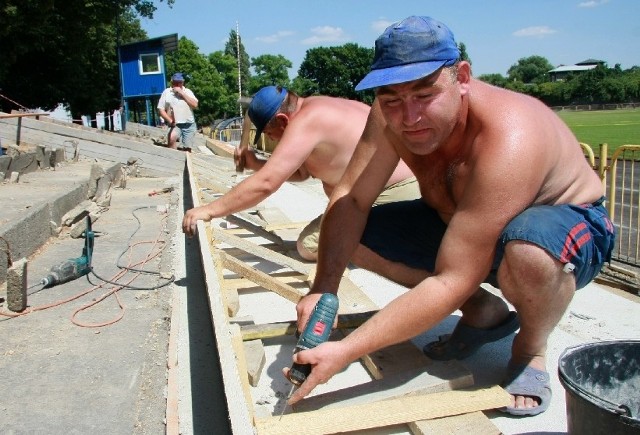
point(526, 265)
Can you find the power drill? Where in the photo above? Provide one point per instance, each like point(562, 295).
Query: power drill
point(315, 333)
point(72, 268)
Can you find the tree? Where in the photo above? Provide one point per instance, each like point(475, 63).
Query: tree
point(532, 69)
point(337, 70)
point(463, 52)
point(231, 48)
point(48, 58)
point(227, 67)
point(494, 79)
point(269, 70)
point(203, 79)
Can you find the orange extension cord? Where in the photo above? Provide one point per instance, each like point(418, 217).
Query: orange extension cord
point(155, 250)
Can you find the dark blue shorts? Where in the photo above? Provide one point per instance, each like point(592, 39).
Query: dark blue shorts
point(410, 232)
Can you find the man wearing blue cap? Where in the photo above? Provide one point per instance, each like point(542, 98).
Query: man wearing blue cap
point(315, 137)
point(176, 106)
point(507, 198)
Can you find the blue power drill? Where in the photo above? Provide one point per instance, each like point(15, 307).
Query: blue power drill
point(73, 268)
point(316, 332)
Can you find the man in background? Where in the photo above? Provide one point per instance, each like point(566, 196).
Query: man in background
point(176, 106)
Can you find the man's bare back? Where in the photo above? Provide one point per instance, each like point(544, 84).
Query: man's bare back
point(330, 129)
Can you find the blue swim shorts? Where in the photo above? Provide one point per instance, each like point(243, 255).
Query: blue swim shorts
point(580, 236)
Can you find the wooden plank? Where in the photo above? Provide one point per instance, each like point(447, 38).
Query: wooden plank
point(22, 115)
point(259, 251)
point(241, 360)
point(261, 278)
point(385, 413)
point(246, 221)
point(255, 359)
point(240, 417)
point(463, 424)
point(435, 377)
point(278, 329)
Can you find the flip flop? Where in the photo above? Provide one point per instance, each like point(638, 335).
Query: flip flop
point(523, 380)
point(466, 340)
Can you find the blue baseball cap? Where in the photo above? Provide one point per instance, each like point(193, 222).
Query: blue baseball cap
point(410, 50)
point(177, 77)
point(264, 105)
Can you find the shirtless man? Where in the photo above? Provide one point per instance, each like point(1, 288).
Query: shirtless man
point(316, 138)
point(506, 193)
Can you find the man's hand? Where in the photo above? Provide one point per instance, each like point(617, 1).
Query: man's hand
point(326, 360)
point(192, 216)
point(305, 308)
point(247, 157)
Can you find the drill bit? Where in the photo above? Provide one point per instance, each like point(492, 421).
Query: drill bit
point(284, 408)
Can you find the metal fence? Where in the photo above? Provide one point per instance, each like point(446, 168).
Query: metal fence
point(621, 176)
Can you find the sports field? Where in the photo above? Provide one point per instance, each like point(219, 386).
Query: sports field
point(614, 127)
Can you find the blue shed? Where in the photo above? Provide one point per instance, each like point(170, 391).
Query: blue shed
point(143, 76)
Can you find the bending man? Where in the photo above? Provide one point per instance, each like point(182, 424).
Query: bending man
point(506, 194)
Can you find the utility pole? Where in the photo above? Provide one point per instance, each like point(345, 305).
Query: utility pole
point(239, 69)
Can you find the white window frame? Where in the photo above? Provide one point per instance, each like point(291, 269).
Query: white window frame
point(141, 64)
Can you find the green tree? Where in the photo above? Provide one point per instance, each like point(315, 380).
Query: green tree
point(202, 78)
point(494, 79)
point(532, 69)
point(227, 67)
point(231, 48)
point(269, 70)
point(337, 70)
point(463, 52)
point(48, 57)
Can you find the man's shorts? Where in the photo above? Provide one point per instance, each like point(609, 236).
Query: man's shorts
point(187, 133)
point(581, 236)
point(401, 191)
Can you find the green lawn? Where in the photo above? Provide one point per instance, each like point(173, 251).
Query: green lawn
point(614, 127)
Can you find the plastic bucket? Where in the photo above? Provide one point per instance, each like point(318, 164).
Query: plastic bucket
point(602, 387)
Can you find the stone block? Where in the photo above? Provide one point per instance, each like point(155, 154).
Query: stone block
point(17, 286)
point(24, 163)
point(5, 161)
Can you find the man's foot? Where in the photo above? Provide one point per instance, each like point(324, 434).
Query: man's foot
point(531, 390)
point(466, 340)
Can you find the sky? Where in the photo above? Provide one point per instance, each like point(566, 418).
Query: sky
point(496, 33)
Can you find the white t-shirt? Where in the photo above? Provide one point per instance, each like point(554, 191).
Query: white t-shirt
point(182, 112)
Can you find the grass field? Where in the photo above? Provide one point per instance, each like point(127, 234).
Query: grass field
point(614, 127)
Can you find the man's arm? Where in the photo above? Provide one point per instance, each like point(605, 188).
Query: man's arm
point(288, 157)
point(162, 111)
point(188, 96)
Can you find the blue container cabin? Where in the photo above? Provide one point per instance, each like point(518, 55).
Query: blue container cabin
point(143, 76)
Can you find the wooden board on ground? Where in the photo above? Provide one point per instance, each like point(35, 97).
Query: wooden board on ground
point(385, 413)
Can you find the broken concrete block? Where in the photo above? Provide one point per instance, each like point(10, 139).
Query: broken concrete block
point(5, 161)
point(17, 285)
point(80, 227)
point(104, 201)
point(57, 156)
point(14, 177)
point(79, 212)
point(13, 151)
point(96, 172)
point(24, 163)
point(55, 229)
point(103, 187)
